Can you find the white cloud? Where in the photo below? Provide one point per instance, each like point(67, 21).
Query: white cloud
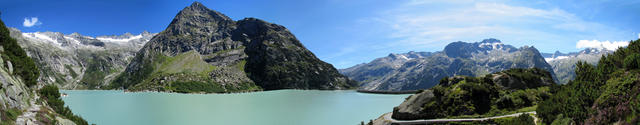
point(29, 22)
point(601, 44)
point(420, 25)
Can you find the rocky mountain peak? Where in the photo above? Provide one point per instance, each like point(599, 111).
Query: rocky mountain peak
point(464, 49)
point(591, 51)
point(127, 34)
point(557, 53)
point(397, 56)
point(244, 55)
point(199, 21)
point(197, 6)
point(491, 40)
point(75, 35)
point(197, 9)
point(145, 33)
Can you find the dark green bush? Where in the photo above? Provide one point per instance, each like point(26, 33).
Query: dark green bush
point(195, 86)
point(632, 61)
point(51, 94)
point(523, 119)
point(22, 64)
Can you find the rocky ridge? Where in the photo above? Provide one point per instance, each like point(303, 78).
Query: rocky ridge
point(563, 64)
point(458, 58)
point(75, 61)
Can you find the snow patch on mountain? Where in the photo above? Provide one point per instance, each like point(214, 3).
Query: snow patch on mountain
point(555, 58)
point(117, 40)
point(42, 37)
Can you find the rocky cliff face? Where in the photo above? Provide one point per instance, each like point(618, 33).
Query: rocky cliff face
point(19, 102)
point(564, 64)
point(458, 58)
point(380, 67)
point(75, 61)
point(202, 47)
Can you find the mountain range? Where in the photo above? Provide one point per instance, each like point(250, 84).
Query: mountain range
point(605, 93)
point(564, 64)
point(422, 70)
point(24, 100)
point(74, 61)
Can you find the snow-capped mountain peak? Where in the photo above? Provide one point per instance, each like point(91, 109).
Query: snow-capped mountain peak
point(119, 39)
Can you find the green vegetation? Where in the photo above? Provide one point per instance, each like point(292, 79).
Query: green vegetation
point(603, 94)
point(185, 62)
point(195, 86)
point(9, 115)
point(524, 119)
point(162, 65)
point(459, 97)
point(52, 96)
point(22, 64)
point(632, 61)
point(183, 73)
point(98, 67)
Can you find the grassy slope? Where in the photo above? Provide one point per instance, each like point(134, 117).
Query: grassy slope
point(191, 75)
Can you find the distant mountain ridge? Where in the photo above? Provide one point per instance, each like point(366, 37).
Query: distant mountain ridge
point(75, 61)
point(564, 64)
point(458, 58)
point(204, 51)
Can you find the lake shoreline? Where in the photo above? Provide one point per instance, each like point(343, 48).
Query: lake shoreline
point(387, 92)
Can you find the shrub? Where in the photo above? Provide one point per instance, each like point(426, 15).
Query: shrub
point(523, 119)
point(51, 94)
point(632, 61)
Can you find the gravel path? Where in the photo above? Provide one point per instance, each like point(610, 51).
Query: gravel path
point(29, 116)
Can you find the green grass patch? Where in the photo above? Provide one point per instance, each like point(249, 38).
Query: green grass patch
point(185, 62)
point(196, 87)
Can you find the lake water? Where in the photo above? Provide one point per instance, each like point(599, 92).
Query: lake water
point(280, 107)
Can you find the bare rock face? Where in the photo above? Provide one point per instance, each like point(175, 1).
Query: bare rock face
point(249, 53)
point(412, 108)
point(513, 82)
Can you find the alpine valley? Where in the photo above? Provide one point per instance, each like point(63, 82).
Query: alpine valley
point(203, 67)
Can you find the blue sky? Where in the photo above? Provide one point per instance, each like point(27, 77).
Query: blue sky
point(349, 32)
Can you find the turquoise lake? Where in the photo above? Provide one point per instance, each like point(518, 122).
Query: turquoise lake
point(280, 107)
